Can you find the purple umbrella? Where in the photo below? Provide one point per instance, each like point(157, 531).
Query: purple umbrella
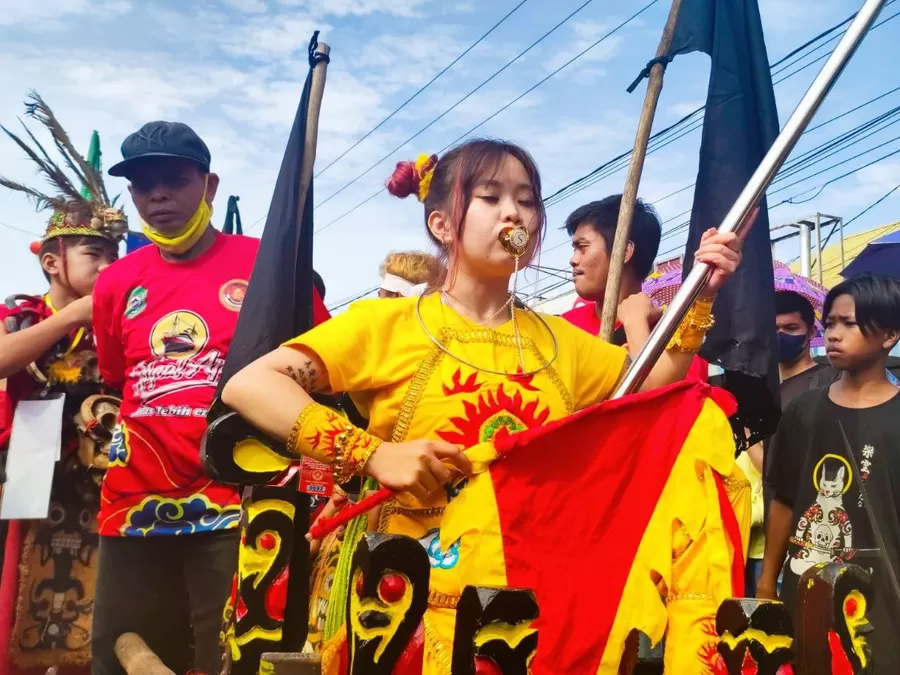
point(662, 287)
point(881, 256)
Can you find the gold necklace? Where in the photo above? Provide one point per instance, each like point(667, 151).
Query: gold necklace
point(451, 302)
point(517, 338)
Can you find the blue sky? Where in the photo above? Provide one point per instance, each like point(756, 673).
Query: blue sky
point(234, 69)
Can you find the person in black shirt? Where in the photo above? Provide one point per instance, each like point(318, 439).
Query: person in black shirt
point(818, 513)
point(795, 321)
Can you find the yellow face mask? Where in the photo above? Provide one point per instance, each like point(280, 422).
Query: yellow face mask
point(188, 235)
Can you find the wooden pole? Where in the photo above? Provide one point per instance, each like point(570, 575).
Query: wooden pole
point(633, 180)
point(296, 614)
point(137, 658)
point(316, 91)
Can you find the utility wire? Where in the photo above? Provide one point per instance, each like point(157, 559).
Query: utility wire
point(421, 89)
point(677, 130)
point(665, 137)
point(458, 103)
point(552, 74)
point(19, 229)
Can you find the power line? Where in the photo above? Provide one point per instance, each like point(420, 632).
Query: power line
point(809, 159)
point(421, 89)
point(683, 226)
point(662, 138)
point(458, 103)
point(19, 229)
point(554, 73)
point(352, 298)
point(675, 131)
point(873, 204)
point(510, 103)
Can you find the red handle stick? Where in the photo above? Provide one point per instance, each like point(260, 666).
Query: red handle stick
point(326, 526)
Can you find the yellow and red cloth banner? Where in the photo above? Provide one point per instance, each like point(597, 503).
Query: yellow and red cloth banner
point(564, 510)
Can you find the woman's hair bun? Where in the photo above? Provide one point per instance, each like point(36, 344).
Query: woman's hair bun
point(404, 181)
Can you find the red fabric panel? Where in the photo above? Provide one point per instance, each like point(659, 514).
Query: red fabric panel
point(574, 500)
point(729, 519)
point(9, 589)
point(320, 313)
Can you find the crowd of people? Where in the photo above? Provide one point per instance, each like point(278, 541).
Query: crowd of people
point(159, 539)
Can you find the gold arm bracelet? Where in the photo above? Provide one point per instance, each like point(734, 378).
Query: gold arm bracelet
point(689, 336)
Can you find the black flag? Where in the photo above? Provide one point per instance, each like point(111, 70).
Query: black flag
point(279, 300)
point(739, 126)
point(269, 607)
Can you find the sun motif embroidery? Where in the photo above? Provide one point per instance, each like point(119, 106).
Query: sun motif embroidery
point(710, 661)
point(470, 386)
point(495, 410)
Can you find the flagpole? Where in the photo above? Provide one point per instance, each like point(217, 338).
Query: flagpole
point(316, 91)
point(737, 218)
point(633, 179)
point(296, 618)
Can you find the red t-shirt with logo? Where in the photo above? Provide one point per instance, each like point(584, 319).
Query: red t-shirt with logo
point(585, 317)
point(163, 330)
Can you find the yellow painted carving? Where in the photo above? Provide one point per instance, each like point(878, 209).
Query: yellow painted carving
point(395, 611)
point(257, 633)
point(769, 642)
point(511, 634)
point(255, 457)
point(253, 559)
point(855, 622)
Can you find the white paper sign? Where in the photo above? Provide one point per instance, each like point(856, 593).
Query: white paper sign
point(34, 448)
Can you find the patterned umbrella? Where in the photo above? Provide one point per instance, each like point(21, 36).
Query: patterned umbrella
point(661, 288)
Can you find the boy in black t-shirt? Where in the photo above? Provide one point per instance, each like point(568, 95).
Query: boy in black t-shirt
point(818, 513)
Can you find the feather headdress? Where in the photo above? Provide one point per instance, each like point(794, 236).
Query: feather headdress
point(84, 211)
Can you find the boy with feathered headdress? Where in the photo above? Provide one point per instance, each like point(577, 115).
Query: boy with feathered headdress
point(46, 348)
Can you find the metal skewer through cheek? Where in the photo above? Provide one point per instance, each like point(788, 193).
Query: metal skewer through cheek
point(737, 218)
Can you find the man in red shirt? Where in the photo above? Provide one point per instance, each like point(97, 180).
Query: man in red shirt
point(163, 318)
point(593, 229)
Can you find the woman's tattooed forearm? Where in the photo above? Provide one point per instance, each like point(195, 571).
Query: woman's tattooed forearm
point(307, 376)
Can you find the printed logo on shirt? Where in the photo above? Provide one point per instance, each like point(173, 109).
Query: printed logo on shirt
point(179, 335)
point(137, 302)
point(824, 532)
point(232, 293)
point(177, 342)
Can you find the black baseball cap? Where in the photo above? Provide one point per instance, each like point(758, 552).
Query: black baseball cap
point(162, 139)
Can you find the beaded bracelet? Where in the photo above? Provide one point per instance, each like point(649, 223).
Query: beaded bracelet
point(321, 433)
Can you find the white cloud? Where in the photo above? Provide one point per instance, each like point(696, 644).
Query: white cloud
point(269, 37)
point(53, 14)
point(584, 34)
point(248, 6)
point(338, 8)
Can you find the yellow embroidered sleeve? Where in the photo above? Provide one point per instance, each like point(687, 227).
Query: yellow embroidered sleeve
point(356, 346)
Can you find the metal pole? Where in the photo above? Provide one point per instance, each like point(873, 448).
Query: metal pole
point(841, 233)
point(633, 180)
point(805, 268)
point(819, 245)
point(752, 193)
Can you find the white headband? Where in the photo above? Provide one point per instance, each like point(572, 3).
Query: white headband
point(395, 284)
